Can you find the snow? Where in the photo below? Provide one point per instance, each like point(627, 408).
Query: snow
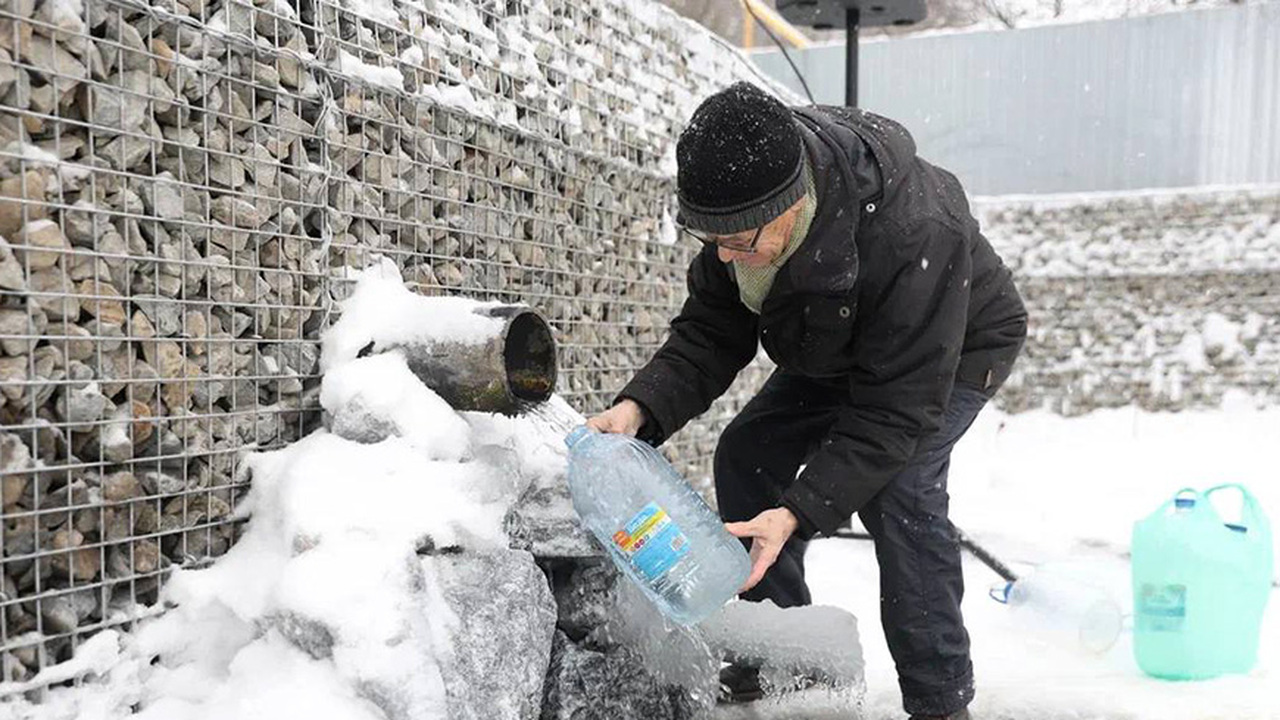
point(96, 656)
point(383, 311)
point(1063, 493)
point(382, 386)
point(387, 77)
point(458, 97)
point(380, 11)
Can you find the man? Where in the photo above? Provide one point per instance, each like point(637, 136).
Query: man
point(860, 270)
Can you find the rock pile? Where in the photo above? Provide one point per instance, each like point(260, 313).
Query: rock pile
point(1165, 300)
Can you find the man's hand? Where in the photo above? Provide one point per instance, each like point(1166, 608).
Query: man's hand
point(625, 418)
point(770, 531)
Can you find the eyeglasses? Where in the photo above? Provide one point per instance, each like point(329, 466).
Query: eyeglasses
point(708, 239)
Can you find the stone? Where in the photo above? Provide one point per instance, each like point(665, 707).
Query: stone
point(27, 191)
point(81, 564)
point(87, 266)
point(102, 303)
point(163, 198)
point(84, 406)
point(52, 292)
point(12, 276)
point(236, 16)
point(146, 558)
point(8, 73)
point(165, 315)
point(146, 518)
point(114, 442)
point(15, 460)
point(60, 613)
point(78, 344)
point(116, 107)
point(240, 115)
point(128, 48)
point(197, 509)
point(50, 60)
point(127, 152)
point(164, 56)
point(236, 212)
point(64, 147)
point(308, 635)
point(263, 166)
point(501, 645)
point(195, 327)
point(40, 244)
point(356, 422)
point(288, 65)
point(155, 482)
point(20, 330)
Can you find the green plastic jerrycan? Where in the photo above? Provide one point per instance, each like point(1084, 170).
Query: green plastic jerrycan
point(1200, 586)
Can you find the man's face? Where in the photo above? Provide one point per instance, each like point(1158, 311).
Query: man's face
point(770, 245)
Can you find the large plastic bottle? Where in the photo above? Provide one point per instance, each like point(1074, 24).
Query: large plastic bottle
point(658, 530)
point(1200, 587)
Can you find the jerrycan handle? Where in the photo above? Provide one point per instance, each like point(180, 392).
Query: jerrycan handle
point(1188, 499)
point(1252, 520)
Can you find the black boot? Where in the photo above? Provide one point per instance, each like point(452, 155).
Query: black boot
point(962, 714)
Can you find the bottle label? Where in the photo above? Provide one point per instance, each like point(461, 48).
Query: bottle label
point(1163, 608)
point(652, 542)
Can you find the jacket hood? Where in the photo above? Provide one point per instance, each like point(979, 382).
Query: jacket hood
point(880, 151)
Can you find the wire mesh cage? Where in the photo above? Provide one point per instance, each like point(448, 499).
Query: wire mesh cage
point(186, 190)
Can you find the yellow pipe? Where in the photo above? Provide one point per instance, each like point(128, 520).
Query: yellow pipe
point(777, 24)
point(748, 29)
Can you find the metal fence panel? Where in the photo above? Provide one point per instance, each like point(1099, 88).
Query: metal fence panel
point(186, 187)
point(1170, 100)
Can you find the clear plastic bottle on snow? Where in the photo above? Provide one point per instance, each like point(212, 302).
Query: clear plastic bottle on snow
point(658, 530)
point(1064, 604)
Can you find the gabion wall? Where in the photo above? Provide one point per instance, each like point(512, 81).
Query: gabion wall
point(185, 186)
point(1163, 300)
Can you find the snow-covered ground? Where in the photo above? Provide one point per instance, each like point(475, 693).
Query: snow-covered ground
point(1041, 489)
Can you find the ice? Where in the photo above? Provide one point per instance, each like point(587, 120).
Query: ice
point(818, 642)
point(503, 619)
point(589, 684)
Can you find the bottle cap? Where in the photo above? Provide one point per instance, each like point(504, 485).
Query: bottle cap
point(576, 434)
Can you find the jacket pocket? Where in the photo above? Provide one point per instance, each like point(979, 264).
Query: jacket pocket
point(826, 344)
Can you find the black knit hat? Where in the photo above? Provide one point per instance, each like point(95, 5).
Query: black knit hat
point(741, 162)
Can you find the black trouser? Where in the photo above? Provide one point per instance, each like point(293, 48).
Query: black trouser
point(920, 579)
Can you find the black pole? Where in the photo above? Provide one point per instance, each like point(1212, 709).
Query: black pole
point(851, 20)
point(965, 541)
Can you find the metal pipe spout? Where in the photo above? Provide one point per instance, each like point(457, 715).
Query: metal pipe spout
point(508, 372)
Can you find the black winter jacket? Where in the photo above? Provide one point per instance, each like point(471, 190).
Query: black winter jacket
point(894, 295)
